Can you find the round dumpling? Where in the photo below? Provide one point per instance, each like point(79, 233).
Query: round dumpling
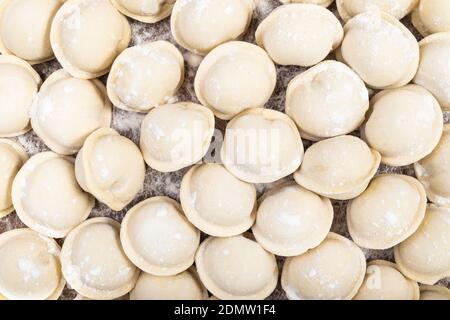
point(149, 11)
point(324, 3)
point(299, 34)
point(432, 16)
point(201, 25)
point(434, 293)
point(233, 77)
point(382, 51)
point(396, 8)
point(87, 35)
point(146, 76)
point(67, 110)
point(327, 100)
point(404, 124)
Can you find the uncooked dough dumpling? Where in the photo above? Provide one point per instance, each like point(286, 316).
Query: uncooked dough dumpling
point(262, 146)
point(12, 158)
point(233, 77)
point(183, 286)
point(434, 69)
point(324, 3)
point(93, 261)
point(111, 168)
point(384, 281)
point(175, 136)
point(327, 100)
point(67, 110)
point(396, 8)
point(339, 168)
point(292, 220)
point(382, 51)
point(333, 270)
point(25, 28)
point(146, 76)
point(30, 268)
point(158, 238)
point(432, 16)
point(201, 25)
point(19, 84)
point(216, 202)
point(299, 34)
point(424, 256)
point(236, 268)
point(46, 195)
point(404, 124)
point(87, 35)
point(149, 11)
point(434, 293)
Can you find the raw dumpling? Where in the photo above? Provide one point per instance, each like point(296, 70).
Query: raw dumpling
point(87, 35)
point(175, 136)
point(262, 146)
point(157, 237)
point(146, 76)
point(93, 261)
point(25, 28)
point(432, 16)
point(67, 110)
point(404, 124)
point(292, 220)
point(396, 8)
point(382, 51)
point(111, 168)
point(216, 202)
point(434, 293)
point(299, 34)
point(30, 268)
point(339, 168)
point(236, 268)
point(46, 195)
point(424, 256)
point(384, 281)
point(324, 3)
point(19, 84)
point(233, 77)
point(387, 212)
point(149, 11)
point(327, 100)
point(333, 270)
point(201, 25)
point(12, 158)
point(434, 69)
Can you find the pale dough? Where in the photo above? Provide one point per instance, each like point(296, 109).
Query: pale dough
point(396, 8)
point(434, 293)
point(324, 3)
point(148, 11)
point(431, 16)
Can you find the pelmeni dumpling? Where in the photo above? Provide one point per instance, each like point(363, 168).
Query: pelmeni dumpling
point(434, 69)
point(216, 202)
point(157, 237)
point(434, 293)
point(149, 11)
point(404, 124)
point(324, 3)
point(19, 84)
point(382, 51)
point(67, 110)
point(87, 35)
point(30, 268)
point(432, 16)
point(46, 195)
point(110, 167)
point(424, 256)
point(233, 77)
point(175, 136)
point(299, 34)
point(292, 220)
point(236, 268)
point(25, 28)
point(384, 281)
point(387, 212)
point(327, 100)
point(262, 146)
point(333, 270)
point(201, 25)
point(339, 168)
point(12, 158)
point(396, 8)
point(93, 261)
point(146, 76)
